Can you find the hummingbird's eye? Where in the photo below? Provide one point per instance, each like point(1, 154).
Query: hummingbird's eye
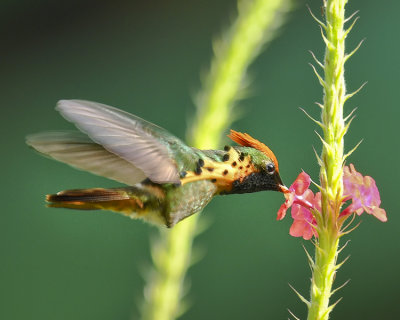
point(270, 168)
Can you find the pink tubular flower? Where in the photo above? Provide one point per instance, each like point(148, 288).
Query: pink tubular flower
point(295, 194)
point(303, 219)
point(301, 199)
point(361, 190)
point(363, 193)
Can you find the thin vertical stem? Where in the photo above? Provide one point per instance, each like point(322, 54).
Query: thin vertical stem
point(332, 160)
point(254, 27)
point(332, 113)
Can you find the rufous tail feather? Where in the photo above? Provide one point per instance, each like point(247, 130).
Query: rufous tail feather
point(95, 199)
point(139, 201)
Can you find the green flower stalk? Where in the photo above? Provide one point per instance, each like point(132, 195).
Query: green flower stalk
point(321, 215)
point(255, 25)
point(331, 161)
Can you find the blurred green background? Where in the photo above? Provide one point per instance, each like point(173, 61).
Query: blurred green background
point(147, 57)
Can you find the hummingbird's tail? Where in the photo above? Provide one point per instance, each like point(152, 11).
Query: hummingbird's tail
point(87, 199)
point(135, 202)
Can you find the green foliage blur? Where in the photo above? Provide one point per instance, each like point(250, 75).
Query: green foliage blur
point(147, 58)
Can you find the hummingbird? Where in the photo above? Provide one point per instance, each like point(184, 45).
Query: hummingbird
point(167, 181)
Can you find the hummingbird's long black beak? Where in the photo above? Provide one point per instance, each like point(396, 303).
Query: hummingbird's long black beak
point(280, 186)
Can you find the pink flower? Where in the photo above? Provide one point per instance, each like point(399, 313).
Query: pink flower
point(301, 199)
point(295, 194)
point(304, 221)
point(363, 193)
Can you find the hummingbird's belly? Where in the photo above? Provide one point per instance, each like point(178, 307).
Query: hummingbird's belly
point(188, 199)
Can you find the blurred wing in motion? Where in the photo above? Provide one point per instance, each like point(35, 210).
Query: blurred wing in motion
point(157, 153)
point(77, 150)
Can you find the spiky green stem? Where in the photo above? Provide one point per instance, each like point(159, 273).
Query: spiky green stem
point(332, 158)
point(171, 257)
point(255, 26)
point(324, 271)
point(257, 20)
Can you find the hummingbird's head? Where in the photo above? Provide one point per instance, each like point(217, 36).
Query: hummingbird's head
point(266, 168)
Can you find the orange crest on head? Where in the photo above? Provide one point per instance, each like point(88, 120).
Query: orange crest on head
point(246, 140)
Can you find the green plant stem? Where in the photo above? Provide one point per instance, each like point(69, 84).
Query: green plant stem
point(255, 25)
point(332, 158)
point(323, 276)
point(171, 258)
